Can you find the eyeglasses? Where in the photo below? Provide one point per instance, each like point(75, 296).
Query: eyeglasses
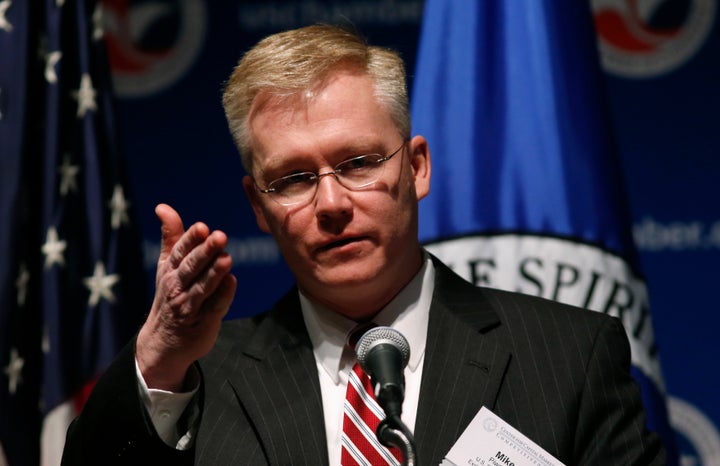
point(354, 173)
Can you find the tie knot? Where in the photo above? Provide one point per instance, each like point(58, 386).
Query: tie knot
point(357, 333)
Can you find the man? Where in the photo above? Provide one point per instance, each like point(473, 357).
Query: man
point(321, 121)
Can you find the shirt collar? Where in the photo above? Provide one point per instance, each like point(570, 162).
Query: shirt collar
point(407, 313)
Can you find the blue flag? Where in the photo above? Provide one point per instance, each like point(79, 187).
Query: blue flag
point(72, 277)
point(527, 193)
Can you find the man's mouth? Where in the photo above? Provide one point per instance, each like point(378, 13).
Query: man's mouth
point(338, 244)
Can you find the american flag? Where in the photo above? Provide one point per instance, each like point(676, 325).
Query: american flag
point(73, 287)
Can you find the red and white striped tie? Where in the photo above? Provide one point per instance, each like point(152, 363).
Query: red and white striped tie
point(360, 445)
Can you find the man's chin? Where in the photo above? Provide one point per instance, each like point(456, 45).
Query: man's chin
point(346, 276)
point(350, 275)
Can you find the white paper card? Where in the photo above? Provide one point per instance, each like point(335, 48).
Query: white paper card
point(490, 441)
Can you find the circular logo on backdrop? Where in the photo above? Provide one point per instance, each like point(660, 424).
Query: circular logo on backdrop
point(648, 38)
point(152, 43)
point(698, 430)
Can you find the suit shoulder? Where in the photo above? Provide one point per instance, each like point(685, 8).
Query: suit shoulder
point(512, 303)
point(535, 315)
point(457, 292)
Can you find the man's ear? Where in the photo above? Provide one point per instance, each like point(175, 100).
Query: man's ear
point(420, 163)
point(254, 198)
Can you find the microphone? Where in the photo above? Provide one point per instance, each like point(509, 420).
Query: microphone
point(383, 353)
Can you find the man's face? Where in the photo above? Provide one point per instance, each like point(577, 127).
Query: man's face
point(349, 250)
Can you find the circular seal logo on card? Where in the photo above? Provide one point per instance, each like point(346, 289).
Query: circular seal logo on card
point(490, 424)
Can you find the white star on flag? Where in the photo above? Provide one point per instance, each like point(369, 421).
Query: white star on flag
point(68, 176)
point(4, 23)
point(119, 207)
point(21, 284)
point(100, 285)
point(14, 370)
point(85, 96)
point(53, 248)
point(52, 59)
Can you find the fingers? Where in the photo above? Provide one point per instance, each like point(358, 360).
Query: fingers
point(219, 302)
point(178, 244)
point(209, 286)
point(171, 228)
point(196, 247)
point(192, 272)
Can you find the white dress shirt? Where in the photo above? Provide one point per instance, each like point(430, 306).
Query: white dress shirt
point(407, 313)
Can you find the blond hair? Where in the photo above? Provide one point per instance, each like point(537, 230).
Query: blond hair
point(299, 61)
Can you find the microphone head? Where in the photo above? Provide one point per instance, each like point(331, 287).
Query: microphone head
point(381, 336)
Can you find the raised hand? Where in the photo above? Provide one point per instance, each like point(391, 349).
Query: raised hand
point(194, 290)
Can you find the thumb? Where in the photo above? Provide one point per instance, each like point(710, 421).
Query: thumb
point(171, 228)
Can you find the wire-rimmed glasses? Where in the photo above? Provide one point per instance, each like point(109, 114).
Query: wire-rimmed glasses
point(354, 173)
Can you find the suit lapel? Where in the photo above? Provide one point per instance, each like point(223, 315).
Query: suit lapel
point(463, 369)
point(277, 385)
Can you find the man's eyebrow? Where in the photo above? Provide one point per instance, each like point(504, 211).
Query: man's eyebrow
point(361, 148)
point(278, 164)
point(288, 161)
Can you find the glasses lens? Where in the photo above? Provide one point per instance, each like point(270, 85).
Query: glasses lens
point(293, 188)
point(360, 171)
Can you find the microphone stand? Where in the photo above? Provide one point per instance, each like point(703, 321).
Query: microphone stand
point(392, 432)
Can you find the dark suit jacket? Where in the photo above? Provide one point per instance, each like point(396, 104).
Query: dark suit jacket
point(558, 374)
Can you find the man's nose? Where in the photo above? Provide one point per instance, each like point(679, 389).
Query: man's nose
point(331, 195)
